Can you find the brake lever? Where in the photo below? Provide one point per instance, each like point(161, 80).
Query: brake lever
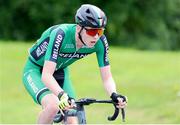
point(123, 114)
point(116, 113)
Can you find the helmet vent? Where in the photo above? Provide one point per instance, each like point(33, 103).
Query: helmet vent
point(88, 11)
point(90, 18)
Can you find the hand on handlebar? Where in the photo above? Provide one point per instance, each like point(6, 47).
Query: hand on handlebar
point(119, 99)
point(65, 102)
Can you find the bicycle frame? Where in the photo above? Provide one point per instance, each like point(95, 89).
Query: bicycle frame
point(87, 101)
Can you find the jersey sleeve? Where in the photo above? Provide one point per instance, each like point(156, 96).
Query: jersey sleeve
point(102, 51)
point(55, 43)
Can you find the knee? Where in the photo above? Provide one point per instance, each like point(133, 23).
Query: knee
point(52, 108)
point(50, 104)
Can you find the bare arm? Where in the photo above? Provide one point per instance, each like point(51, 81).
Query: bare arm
point(108, 80)
point(110, 86)
point(48, 79)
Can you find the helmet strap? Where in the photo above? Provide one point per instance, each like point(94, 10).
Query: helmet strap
point(80, 37)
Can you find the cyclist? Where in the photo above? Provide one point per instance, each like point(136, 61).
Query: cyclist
point(46, 76)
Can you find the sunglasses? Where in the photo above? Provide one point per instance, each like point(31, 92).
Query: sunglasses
point(93, 32)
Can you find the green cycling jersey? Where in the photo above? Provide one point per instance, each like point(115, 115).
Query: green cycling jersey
point(58, 44)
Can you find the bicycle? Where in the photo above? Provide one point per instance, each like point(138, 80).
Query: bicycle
point(81, 113)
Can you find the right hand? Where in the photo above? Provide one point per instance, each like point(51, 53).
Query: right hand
point(63, 100)
point(119, 99)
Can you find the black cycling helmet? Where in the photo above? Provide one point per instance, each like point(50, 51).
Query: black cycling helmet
point(90, 16)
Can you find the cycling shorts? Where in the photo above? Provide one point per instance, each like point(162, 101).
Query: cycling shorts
point(36, 88)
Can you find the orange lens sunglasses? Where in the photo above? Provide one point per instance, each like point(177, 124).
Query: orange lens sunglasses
point(93, 32)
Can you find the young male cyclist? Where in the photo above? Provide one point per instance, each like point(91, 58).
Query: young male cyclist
point(46, 76)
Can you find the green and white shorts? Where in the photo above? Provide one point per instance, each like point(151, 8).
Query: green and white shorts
point(37, 89)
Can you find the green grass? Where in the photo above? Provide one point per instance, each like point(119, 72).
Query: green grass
point(151, 80)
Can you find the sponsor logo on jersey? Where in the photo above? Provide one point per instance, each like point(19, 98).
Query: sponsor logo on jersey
point(41, 49)
point(31, 83)
point(106, 49)
point(57, 46)
point(73, 55)
point(69, 46)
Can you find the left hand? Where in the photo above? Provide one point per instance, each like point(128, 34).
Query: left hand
point(119, 99)
point(63, 101)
